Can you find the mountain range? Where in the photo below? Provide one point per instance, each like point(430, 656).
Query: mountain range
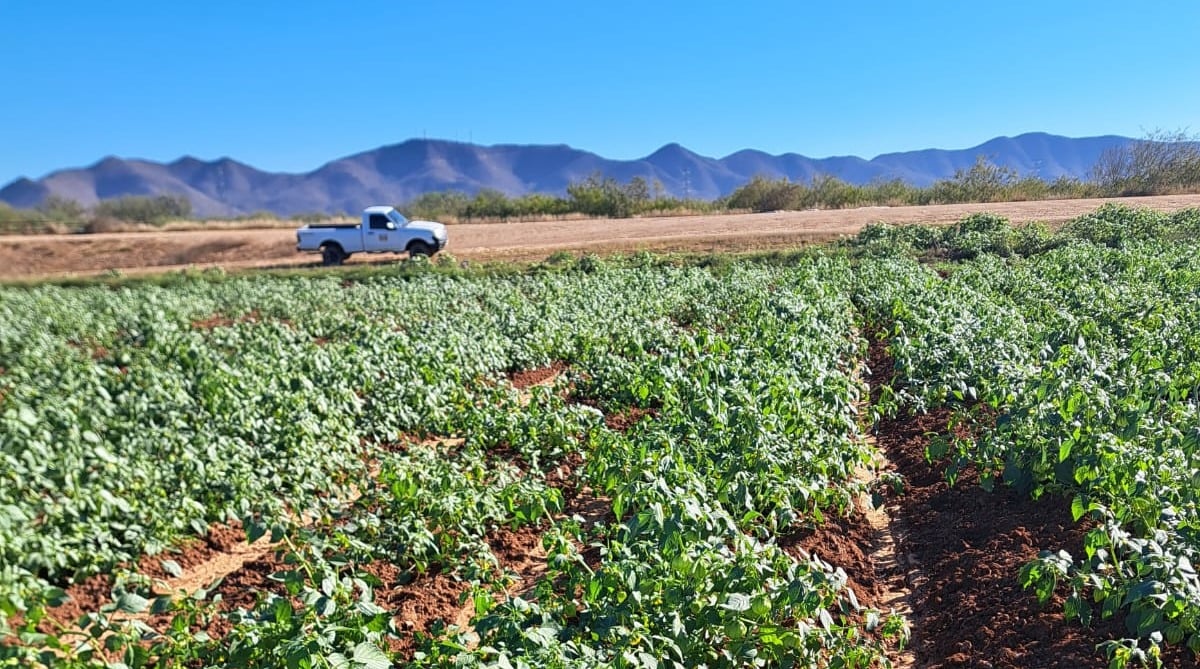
point(399, 172)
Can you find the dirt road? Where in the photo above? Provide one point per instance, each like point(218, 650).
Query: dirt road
point(31, 256)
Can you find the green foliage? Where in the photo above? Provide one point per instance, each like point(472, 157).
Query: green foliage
point(20, 221)
point(1115, 225)
point(437, 205)
point(151, 210)
point(135, 417)
point(605, 196)
point(982, 182)
point(970, 237)
point(763, 194)
point(61, 210)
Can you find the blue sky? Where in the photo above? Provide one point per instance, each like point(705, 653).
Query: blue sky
point(290, 85)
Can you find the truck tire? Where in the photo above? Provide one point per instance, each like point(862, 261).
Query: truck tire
point(332, 254)
point(420, 248)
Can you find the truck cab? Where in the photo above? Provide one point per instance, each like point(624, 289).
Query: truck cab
point(382, 230)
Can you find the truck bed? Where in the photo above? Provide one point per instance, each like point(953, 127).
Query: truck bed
point(333, 225)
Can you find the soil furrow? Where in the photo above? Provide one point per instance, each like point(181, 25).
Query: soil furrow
point(963, 548)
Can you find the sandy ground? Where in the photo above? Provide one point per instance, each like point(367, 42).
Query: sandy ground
point(32, 256)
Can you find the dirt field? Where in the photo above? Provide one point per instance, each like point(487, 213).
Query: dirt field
point(63, 255)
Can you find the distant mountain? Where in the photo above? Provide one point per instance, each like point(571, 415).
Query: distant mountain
point(399, 172)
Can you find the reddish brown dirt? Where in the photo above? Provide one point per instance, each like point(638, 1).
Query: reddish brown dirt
point(520, 552)
point(969, 546)
point(416, 605)
point(622, 421)
point(223, 321)
point(241, 589)
point(842, 542)
point(88, 595)
point(562, 476)
point(188, 554)
point(578, 498)
point(528, 378)
point(27, 256)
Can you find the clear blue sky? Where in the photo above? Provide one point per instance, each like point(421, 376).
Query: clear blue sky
point(291, 85)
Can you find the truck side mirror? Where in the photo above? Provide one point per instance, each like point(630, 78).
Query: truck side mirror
point(391, 225)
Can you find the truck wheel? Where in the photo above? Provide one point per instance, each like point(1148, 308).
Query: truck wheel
point(419, 248)
point(332, 255)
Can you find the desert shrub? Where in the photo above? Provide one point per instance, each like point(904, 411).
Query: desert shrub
point(537, 204)
point(761, 194)
point(1162, 162)
point(826, 192)
point(605, 196)
point(489, 203)
point(152, 210)
point(982, 182)
point(62, 210)
point(437, 205)
point(20, 221)
point(317, 216)
point(892, 192)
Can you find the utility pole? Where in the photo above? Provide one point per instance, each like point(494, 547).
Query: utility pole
point(687, 184)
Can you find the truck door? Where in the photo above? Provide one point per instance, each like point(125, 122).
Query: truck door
point(380, 234)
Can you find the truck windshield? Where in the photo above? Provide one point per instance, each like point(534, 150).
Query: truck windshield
point(397, 218)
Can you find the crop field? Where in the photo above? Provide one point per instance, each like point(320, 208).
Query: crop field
point(976, 445)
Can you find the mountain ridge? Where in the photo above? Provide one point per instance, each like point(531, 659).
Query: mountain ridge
point(398, 172)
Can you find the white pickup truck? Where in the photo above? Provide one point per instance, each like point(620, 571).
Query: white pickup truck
point(383, 230)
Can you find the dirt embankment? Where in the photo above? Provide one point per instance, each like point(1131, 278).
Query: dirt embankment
point(29, 256)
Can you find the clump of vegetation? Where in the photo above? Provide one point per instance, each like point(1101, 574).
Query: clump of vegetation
point(1161, 163)
point(150, 210)
point(970, 237)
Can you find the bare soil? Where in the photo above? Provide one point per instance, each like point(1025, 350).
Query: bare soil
point(842, 542)
point(32, 256)
point(527, 378)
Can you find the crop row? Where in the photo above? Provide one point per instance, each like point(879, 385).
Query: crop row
point(1077, 370)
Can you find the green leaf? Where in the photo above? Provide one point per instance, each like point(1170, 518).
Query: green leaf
point(370, 657)
point(255, 530)
point(172, 567)
point(132, 603)
point(1078, 508)
point(737, 601)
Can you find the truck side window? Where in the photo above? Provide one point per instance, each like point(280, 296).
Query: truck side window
point(378, 222)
